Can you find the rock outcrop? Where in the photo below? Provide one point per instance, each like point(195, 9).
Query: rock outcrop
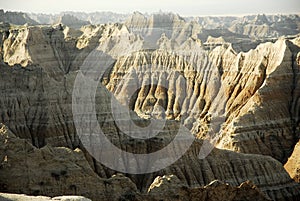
point(14, 197)
point(63, 53)
point(258, 27)
point(61, 171)
point(17, 18)
point(199, 83)
point(71, 21)
point(171, 188)
point(255, 26)
point(162, 25)
point(23, 46)
point(53, 171)
point(293, 164)
point(94, 18)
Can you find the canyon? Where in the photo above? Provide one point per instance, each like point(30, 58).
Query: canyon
point(230, 83)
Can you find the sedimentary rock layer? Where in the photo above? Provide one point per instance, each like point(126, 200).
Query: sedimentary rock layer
point(39, 66)
point(61, 171)
point(53, 171)
point(189, 84)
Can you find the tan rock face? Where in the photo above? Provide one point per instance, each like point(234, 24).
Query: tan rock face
point(53, 172)
point(63, 49)
point(267, 111)
point(261, 116)
point(171, 188)
point(23, 46)
point(292, 166)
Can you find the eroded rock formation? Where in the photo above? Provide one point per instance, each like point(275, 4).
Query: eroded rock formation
point(171, 188)
point(255, 94)
point(57, 171)
point(53, 171)
point(17, 18)
point(239, 86)
point(293, 164)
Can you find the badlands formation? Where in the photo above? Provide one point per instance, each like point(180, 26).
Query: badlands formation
point(233, 80)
